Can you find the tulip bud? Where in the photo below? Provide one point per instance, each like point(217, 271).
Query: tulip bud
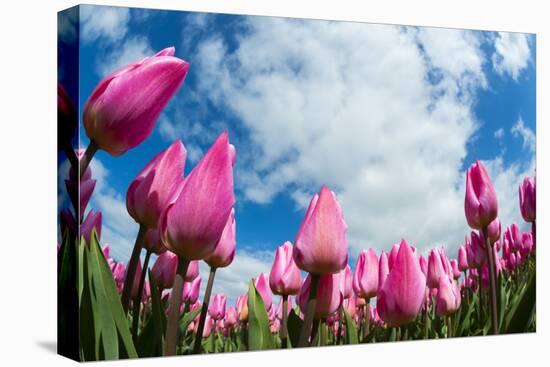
point(527, 243)
point(383, 269)
point(423, 265)
point(193, 222)
point(284, 278)
point(393, 255)
point(493, 231)
point(346, 281)
point(165, 268)
point(321, 246)
point(217, 306)
point(462, 259)
point(231, 317)
point(224, 252)
point(454, 268)
point(351, 306)
point(152, 241)
point(480, 203)
point(92, 221)
point(149, 192)
point(124, 107)
point(528, 199)
point(275, 326)
point(401, 296)
point(448, 297)
point(476, 251)
point(365, 277)
point(262, 286)
point(329, 298)
point(190, 292)
point(242, 308)
point(80, 194)
point(513, 235)
point(435, 268)
point(119, 273)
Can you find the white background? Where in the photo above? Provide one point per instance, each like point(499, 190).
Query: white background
point(28, 180)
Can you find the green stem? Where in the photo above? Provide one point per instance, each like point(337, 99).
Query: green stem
point(449, 327)
point(323, 332)
point(283, 331)
point(366, 318)
point(310, 312)
point(426, 315)
point(315, 333)
point(87, 157)
point(131, 269)
point(139, 295)
point(172, 323)
point(492, 283)
point(204, 310)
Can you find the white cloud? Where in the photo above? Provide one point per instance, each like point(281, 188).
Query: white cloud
point(333, 103)
point(511, 54)
point(131, 50)
point(528, 136)
point(104, 23)
point(499, 134)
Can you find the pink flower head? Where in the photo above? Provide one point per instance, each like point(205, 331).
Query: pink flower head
point(262, 286)
point(217, 306)
point(528, 199)
point(480, 203)
point(328, 299)
point(284, 278)
point(365, 277)
point(224, 252)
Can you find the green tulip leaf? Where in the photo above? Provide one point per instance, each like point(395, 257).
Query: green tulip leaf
point(294, 326)
point(259, 335)
point(351, 330)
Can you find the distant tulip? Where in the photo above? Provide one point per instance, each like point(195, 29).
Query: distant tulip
point(208, 326)
point(242, 308)
point(447, 300)
point(164, 270)
point(224, 252)
point(435, 268)
point(262, 286)
point(494, 231)
point(284, 278)
point(527, 243)
point(80, 195)
point(476, 251)
point(231, 317)
point(119, 273)
point(528, 199)
point(194, 220)
point(124, 107)
point(275, 326)
point(149, 192)
point(455, 270)
point(383, 269)
point(321, 246)
point(152, 241)
point(423, 265)
point(329, 297)
point(480, 204)
point(401, 296)
point(217, 306)
point(92, 221)
point(365, 277)
point(462, 259)
point(191, 290)
point(513, 235)
point(393, 255)
point(346, 281)
point(350, 305)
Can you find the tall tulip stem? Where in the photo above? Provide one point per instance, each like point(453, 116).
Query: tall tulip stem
point(323, 338)
point(87, 157)
point(172, 323)
point(310, 312)
point(426, 318)
point(492, 282)
point(449, 327)
point(131, 270)
point(366, 317)
point(283, 331)
point(204, 310)
point(137, 299)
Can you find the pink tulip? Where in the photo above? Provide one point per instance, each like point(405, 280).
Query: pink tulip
point(280, 308)
point(119, 273)
point(242, 307)
point(329, 298)
point(527, 244)
point(423, 265)
point(152, 242)
point(192, 271)
point(346, 281)
point(224, 252)
point(80, 195)
point(262, 286)
point(435, 268)
point(462, 259)
point(284, 278)
point(194, 220)
point(480, 203)
point(217, 306)
point(124, 107)
point(190, 293)
point(528, 199)
point(476, 251)
point(208, 326)
point(92, 221)
point(231, 317)
point(275, 326)
point(365, 277)
point(149, 192)
point(350, 305)
point(447, 300)
point(383, 269)
point(493, 230)
point(164, 270)
point(321, 246)
point(513, 235)
point(455, 270)
point(393, 255)
point(401, 295)
point(106, 250)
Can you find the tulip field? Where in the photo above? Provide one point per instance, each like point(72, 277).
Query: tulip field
point(109, 309)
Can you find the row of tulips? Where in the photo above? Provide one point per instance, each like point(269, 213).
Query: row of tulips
point(134, 309)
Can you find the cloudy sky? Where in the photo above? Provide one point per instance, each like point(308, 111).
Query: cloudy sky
point(389, 117)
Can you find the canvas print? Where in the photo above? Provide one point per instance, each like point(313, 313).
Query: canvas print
point(234, 183)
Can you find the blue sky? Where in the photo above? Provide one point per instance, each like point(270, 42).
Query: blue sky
point(389, 117)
